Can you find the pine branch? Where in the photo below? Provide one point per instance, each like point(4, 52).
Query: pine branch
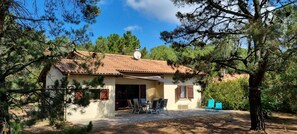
point(221, 62)
point(31, 19)
point(217, 6)
point(19, 67)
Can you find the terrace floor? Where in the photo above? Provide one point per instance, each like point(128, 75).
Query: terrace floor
point(124, 117)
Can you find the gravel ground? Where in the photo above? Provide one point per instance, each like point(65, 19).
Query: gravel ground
point(124, 117)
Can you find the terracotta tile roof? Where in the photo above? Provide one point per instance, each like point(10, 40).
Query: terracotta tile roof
point(114, 64)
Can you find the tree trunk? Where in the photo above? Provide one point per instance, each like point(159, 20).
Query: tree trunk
point(256, 114)
point(4, 113)
point(3, 9)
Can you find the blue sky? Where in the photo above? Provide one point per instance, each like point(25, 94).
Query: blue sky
point(145, 18)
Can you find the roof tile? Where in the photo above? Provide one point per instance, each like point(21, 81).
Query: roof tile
point(114, 64)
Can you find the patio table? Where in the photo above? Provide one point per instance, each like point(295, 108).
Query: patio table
point(146, 106)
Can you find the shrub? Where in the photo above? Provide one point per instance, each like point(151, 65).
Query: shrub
point(52, 121)
point(30, 122)
point(16, 127)
point(78, 130)
point(233, 94)
point(269, 104)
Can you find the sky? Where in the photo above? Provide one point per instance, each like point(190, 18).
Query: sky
point(146, 19)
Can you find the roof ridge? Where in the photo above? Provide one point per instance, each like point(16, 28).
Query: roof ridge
point(120, 55)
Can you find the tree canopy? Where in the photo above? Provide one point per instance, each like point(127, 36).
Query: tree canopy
point(267, 29)
point(30, 28)
point(162, 52)
point(25, 30)
point(114, 44)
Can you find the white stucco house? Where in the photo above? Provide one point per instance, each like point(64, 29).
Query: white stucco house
point(125, 77)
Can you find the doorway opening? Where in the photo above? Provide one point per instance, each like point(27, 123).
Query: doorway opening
point(126, 92)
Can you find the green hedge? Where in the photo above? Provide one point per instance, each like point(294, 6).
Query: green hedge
point(233, 93)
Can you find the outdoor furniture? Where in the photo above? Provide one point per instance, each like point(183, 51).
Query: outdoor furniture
point(163, 105)
point(148, 107)
point(210, 104)
point(155, 109)
point(219, 106)
point(130, 105)
point(143, 104)
point(137, 107)
point(142, 101)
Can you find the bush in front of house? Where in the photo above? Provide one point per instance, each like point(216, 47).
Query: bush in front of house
point(233, 93)
point(78, 130)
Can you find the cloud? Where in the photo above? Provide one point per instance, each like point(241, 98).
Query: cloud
point(132, 28)
point(105, 2)
point(102, 2)
point(163, 10)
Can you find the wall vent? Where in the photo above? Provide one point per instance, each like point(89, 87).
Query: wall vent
point(182, 107)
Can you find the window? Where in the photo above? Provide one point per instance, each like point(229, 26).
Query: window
point(182, 92)
point(185, 91)
point(104, 94)
point(78, 94)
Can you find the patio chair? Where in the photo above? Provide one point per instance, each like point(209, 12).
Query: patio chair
point(155, 109)
point(130, 105)
point(210, 104)
point(137, 107)
point(219, 106)
point(163, 105)
point(142, 101)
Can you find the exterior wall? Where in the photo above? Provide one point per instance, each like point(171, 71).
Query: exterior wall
point(159, 89)
point(170, 94)
point(106, 108)
point(97, 108)
point(53, 75)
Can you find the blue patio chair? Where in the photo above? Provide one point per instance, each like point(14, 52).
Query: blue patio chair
point(210, 104)
point(142, 101)
point(219, 106)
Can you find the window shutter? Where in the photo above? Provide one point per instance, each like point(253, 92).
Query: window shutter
point(178, 92)
point(190, 92)
point(78, 95)
point(104, 94)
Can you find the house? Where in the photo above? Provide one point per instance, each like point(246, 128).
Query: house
point(125, 77)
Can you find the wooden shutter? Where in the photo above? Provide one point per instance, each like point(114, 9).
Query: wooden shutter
point(178, 92)
point(78, 95)
point(104, 94)
point(190, 92)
